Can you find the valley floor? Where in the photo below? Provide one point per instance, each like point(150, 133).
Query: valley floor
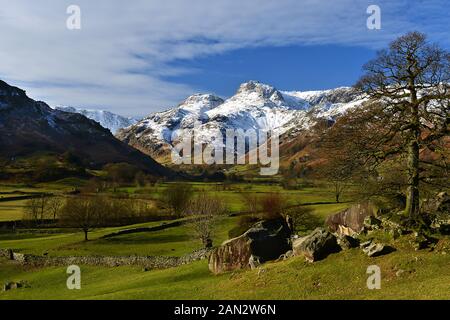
point(405, 273)
point(425, 275)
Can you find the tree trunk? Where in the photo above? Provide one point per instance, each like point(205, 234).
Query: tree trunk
point(85, 235)
point(337, 197)
point(412, 193)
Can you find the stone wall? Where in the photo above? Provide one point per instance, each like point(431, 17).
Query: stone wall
point(150, 262)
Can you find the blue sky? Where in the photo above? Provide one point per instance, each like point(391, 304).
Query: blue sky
point(143, 56)
point(299, 68)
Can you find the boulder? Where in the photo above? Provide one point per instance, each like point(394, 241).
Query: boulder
point(371, 223)
point(316, 246)
point(11, 285)
point(395, 229)
point(421, 241)
point(264, 241)
point(346, 242)
point(374, 249)
point(254, 262)
point(439, 203)
point(287, 255)
point(351, 220)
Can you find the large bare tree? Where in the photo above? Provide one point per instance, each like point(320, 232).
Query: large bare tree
point(410, 82)
point(204, 209)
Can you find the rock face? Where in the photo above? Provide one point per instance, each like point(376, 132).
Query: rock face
point(316, 246)
point(351, 220)
point(265, 241)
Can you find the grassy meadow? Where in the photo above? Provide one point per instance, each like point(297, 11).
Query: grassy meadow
point(340, 276)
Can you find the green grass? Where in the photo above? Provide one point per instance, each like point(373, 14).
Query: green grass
point(292, 279)
point(12, 210)
point(340, 276)
point(175, 241)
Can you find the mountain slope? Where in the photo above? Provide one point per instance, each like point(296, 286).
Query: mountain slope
point(107, 119)
point(254, 106)
point(28, 126)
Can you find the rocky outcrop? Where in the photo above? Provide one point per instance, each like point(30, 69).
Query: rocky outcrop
point(439, 203)
point(421, 241)
point(371, 223)
point(351, 220)
point(375, 249)
point(346, 242)
point(12, 285)
point(265, 241)
point(316, 246)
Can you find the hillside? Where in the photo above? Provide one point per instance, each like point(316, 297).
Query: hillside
point(108, 120)
point(28, 126)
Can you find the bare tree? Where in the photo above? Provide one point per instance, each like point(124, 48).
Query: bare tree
point(251, 202)
point(36, 208)
point(205, 210)
point(177, 197)
point(272, 205)
point(55, 205)
point(85, 213)
point(411, 83)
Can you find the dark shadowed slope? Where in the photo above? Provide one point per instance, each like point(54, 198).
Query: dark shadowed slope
point(28, 126)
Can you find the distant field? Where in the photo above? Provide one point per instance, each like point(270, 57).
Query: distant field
point(11, 210)
point(175, 241)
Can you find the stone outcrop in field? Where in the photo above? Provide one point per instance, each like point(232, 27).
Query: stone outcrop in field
point(351, 220)
point(316, 246)
point(265, 241)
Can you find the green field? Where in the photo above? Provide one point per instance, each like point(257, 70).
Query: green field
point(13, 210)
point(341, 276)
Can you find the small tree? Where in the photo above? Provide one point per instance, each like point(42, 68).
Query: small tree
point(272, 205)
point(36, 208)
point(85, 213)
point(177, 197)
point(204, 209)
point(251, 202)
point(55, 205)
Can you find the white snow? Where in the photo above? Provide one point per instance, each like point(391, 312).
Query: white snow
point(107, 119)
point(254, 106)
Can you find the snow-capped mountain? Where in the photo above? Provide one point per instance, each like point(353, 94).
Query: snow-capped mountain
point(107, 119)
point(254, 106)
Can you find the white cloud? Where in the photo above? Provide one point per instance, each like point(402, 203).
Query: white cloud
point(118, 58)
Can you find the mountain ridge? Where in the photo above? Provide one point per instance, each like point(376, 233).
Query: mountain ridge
point(255, 105)
point(28, 126)
point(107, 119)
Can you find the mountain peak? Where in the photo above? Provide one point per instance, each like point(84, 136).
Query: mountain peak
point(260, 90)
point(205, 99)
